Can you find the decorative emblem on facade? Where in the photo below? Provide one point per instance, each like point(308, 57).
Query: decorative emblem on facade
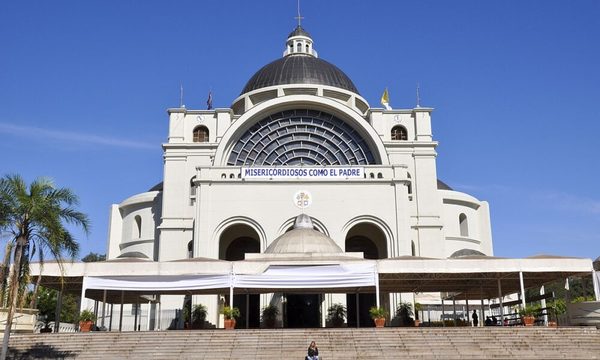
point(302, 199)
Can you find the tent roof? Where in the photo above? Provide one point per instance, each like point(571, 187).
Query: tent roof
point(472, 278)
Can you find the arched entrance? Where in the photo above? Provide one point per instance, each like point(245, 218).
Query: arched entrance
point(370, 240)
point(236, 241)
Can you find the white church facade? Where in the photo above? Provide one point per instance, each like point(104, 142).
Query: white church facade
point(300, 139)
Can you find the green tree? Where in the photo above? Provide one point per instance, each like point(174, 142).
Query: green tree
point(35, 216)
point(46, 304)
point(93, 257)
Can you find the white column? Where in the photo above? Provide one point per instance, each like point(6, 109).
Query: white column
point(543, 303)
point(148, 318)
point(522, 283)
point(377, 288)
point(501, 305)
point(596, 281)
point(82, 302)
point(482, 319)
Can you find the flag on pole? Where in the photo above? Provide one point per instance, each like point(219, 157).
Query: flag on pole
point(385, 99)
point(209, 101)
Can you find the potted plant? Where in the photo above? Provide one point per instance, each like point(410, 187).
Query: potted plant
point(528, 314)
point(418, 308)
point(404, 311)
point(378, 315)
point(198, 316)
point(336, 315)
point(230, 313)
point(269, 315)
point(86, 320)
point(556, 308)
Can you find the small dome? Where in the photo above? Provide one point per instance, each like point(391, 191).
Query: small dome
point(133, 254)
point(298, 31)
point(466, 252)
point(303, 238)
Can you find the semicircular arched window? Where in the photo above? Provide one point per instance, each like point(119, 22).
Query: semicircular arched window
point(463, 224)
point(399, 133)
point(301, 137)
point(200, 134)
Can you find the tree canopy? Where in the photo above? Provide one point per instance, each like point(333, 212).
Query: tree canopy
point(93, 257)
point(35, 216)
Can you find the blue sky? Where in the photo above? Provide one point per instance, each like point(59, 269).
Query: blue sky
point(84, 86)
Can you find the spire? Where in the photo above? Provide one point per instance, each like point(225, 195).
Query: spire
point(299, 18)
point(299, 41)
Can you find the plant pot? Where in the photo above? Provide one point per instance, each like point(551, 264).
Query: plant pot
point(85, 326)
point(528, 320)
point(229, 324)
point(270, 323)
point(417, 322)
point(379, 322)
point(552, 324)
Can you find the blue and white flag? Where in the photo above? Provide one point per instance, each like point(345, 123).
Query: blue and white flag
point(209, 101)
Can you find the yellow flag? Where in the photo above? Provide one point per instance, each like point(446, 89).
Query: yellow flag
point(385, 99)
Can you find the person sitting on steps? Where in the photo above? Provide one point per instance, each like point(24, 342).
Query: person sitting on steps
point(313, 352)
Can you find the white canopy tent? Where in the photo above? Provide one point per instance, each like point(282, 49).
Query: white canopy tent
point(466, 278)
point(407, 274)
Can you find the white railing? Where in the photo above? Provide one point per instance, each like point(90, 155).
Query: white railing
point(62, 327)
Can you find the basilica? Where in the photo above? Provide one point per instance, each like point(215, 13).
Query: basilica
point(298, 146)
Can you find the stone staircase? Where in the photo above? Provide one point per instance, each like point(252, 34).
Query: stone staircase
point(367, 343)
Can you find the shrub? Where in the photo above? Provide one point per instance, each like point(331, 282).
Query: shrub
point(198, 316)
point(230, 312)
point(530, 310)
point(336, 315)
point(377, 312)
point(404, 312)
point(269, 315)
point(87, 315)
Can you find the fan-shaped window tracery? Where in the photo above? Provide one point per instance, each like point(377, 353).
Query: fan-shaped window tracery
point(301, 137)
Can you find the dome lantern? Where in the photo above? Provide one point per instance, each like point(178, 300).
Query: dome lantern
point(299, 42)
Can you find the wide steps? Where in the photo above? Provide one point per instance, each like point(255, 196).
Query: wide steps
point(387, 343)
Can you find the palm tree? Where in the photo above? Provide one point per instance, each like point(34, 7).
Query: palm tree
point(35, 217)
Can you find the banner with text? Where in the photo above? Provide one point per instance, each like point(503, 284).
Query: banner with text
point(312, 173)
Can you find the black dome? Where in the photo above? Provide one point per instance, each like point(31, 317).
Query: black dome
point(299, 69)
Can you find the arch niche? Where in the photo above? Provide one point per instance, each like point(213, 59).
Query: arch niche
point(235, 242)
point(300, 119)
point(371, 240)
